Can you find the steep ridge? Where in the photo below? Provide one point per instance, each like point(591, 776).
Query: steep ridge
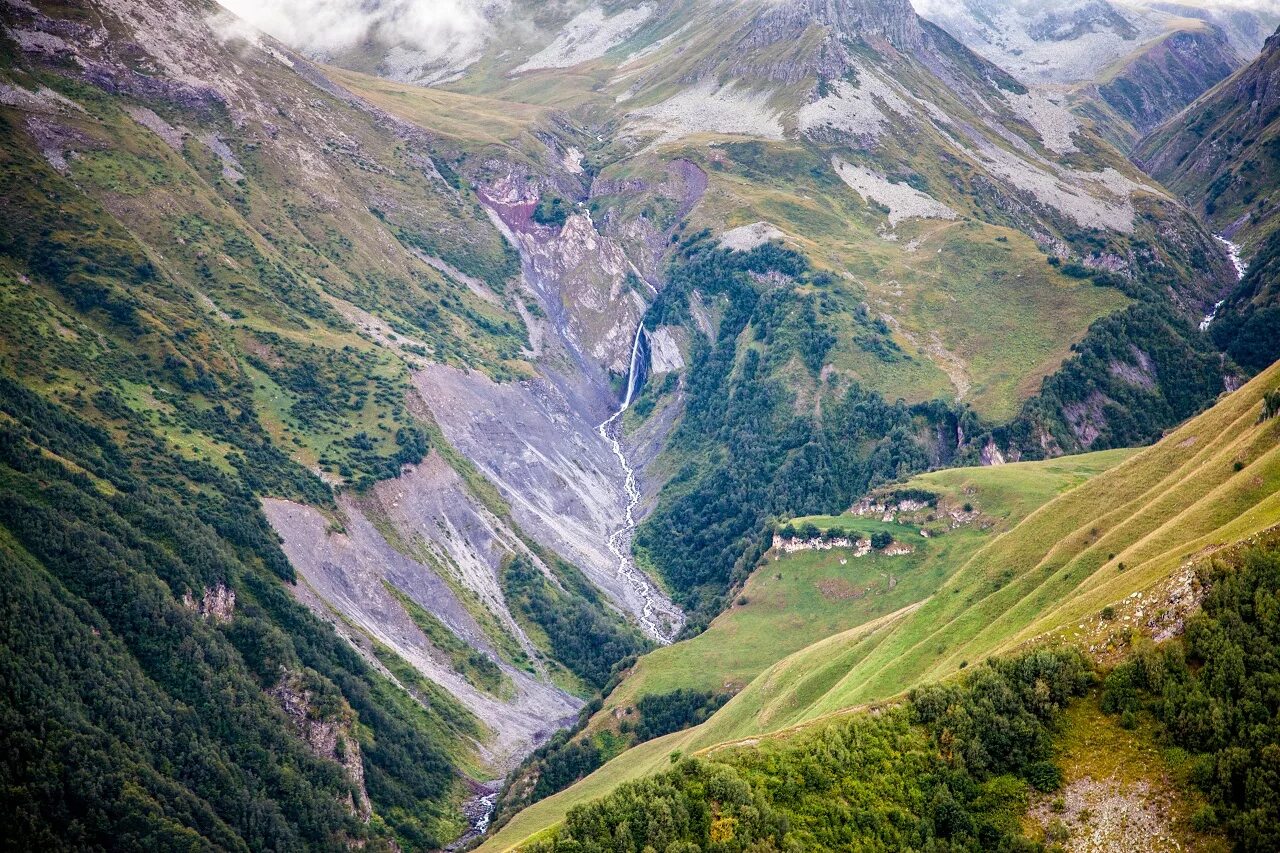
point(1127, 537)
point(1219, 153)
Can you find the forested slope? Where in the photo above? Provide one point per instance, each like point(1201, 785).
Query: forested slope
point(199, 231)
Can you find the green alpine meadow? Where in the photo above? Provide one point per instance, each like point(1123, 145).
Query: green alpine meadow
point(640, 426)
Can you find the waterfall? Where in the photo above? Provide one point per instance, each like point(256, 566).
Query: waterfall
point(658, 618)
point(638, 368)
point(1233, 252)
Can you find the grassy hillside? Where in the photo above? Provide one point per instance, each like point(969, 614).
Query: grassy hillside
point(1130, 529)
point(793, 600)
point(1169, 749)
point(226, 271)
point(940, 283)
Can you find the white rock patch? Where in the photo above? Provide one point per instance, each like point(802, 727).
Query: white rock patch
point(1052, 121)
point(588, 36)
point(706, 108)
point(859, 109)
point(1091, 199)
point(845, 108)
point(651, 49)
point(904, 201)
point(664, 352)
point(42, 100)
point(572, 160)
point(744, 238)
point(172, 136)
point(430, 67)
point(230, 165)
point(38, 41)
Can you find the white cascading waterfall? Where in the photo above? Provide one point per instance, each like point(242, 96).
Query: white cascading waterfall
point(656, 617)
point(1233, 252)
point(634, 369)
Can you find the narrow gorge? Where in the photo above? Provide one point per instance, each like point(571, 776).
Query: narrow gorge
point(659, 618)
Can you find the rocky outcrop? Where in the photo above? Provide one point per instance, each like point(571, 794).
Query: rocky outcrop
point(216, 604)
point(1086, 419)
point(330, 734)
point(539, 440)
point(581, 277)
point(991, 454)
point(892, 20)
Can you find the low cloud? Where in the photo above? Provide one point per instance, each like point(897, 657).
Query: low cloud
point(327, 27)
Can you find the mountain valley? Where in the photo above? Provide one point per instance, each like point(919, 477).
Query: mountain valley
point(424, 430)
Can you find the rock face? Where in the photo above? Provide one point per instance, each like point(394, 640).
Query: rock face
point(349, 573)
point(1168, 75)
point(328, 733)
point(892, 20)
point(217, 604)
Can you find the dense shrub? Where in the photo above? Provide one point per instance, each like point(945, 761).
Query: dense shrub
point(949, 770)
point(1216, 693)
point(582, 635)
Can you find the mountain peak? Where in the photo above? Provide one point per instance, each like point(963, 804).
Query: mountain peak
point(894, 20)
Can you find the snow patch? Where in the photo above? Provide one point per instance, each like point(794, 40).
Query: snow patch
point(590, 35)
point(904, 201)
point(1034, 42)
